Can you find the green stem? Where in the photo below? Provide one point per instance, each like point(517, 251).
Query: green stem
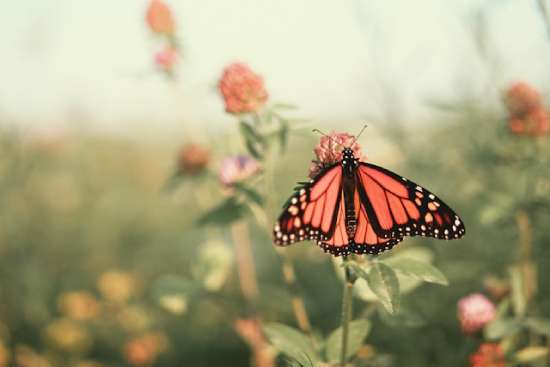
point(544, 14)
point(346, 312)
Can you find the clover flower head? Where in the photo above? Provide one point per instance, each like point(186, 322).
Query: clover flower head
point(242, 90)
point(330, 148)
point(474, 312)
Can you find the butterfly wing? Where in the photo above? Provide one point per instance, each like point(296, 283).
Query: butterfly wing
point(310, 214)
point(396, 207)
point(366, 240)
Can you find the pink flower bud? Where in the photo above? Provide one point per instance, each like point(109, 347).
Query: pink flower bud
point(474, 312)
point(166, 58)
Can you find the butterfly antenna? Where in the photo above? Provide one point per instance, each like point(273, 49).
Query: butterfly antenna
point(322, 133)
point(358, 135)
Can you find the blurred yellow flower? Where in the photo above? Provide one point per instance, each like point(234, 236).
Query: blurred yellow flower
point(27, 357)
point(67, 335)
point(213, 265)
point(117, 286)
point(80, 305)
point(5, 355)
point(134, 319)
point(174, 303)
point(144, 350)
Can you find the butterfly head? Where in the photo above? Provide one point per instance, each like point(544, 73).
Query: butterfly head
point(349, 162)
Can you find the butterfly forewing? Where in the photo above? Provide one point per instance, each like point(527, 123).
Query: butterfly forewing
point(398, 207)
point(311, 213)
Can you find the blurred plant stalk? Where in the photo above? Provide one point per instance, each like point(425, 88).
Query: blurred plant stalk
point(544, 14)
point(245, 263)
point(347, 310)
point(298, 305)
point(526, 265)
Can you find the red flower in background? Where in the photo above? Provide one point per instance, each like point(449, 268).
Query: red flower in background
point(329, 150)
point(522, 98)
point(535, 123)
point(192, 159)
point(159, 18)
point(166, 58)
point(527, 114)
point(474, 312)
point(488, 355)
point(242, 89)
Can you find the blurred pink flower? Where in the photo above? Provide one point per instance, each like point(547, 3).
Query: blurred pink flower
point(166, 58)
point(474, 312)
point(488, 355)
point(242, 89)
point(329, 150)
point(159, 18)
point(521, 98)
point(237, 168)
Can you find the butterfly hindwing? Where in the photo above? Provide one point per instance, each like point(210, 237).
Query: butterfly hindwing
point(366, 239)
point(397, 207)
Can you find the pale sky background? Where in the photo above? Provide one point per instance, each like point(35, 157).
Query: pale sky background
point(88, 63)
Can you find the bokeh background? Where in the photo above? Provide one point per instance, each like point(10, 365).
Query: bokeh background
point(114, 135)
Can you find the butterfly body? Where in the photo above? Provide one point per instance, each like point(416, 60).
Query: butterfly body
point(349, 166)
point(356, 207)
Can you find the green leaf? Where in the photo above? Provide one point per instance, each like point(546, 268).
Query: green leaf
point(530, 354)
point(405, 317)
point(500, 328)
point(358, 331)
point(417, 269)
point(538, 325)
point(250, 193)
point(385, 285)
point(254, 142)
point(225, 213)
point(254, 149)
point(292, 343)
point(250, 133)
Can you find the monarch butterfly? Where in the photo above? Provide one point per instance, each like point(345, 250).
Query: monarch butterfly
point(356, 207)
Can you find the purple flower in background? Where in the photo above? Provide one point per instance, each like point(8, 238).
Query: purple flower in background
point(474, 312)
point(237, 168)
